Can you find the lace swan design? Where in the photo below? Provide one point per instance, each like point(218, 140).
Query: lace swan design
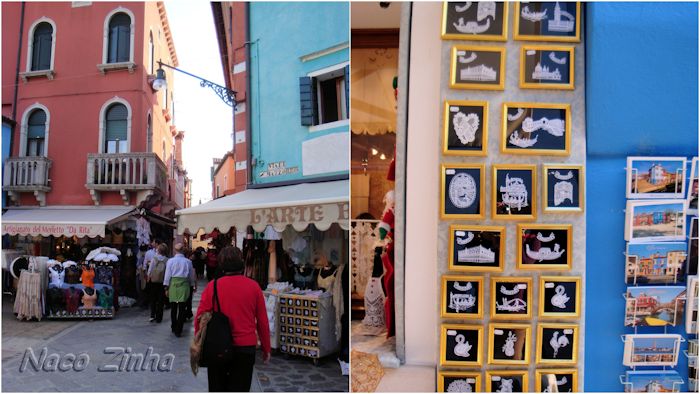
point(462, 347)
point(560, 299)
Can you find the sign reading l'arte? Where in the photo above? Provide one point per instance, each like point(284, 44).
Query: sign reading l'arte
point(278, 168)
point(80, 230)
point(300, 214)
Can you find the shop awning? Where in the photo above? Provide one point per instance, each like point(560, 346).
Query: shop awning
point(57, 221)
point(322, 204)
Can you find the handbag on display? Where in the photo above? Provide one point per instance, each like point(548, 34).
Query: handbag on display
point(217, 348)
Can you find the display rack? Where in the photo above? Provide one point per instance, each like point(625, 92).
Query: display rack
point(307, 326)
point(628, 385)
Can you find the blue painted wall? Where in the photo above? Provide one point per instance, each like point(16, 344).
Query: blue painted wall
point(6, 133)
point(641, 99)
point(281, 34)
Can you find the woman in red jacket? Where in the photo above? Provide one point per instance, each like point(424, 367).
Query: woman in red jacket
point(243, 303)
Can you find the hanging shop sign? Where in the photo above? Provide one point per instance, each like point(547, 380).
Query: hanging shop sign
point(69, 230)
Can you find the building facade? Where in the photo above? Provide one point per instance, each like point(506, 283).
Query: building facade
point(291, 122)
point(224, 177)
point(91, 131)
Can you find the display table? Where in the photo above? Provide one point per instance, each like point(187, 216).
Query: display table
point(307, 325)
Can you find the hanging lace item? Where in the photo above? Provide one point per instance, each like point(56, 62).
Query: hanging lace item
point(29, 300)
point(374, 306)
point(143, 231)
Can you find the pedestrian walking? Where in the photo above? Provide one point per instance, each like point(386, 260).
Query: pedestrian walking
point(198, 261)
point(188, 307)
point(142, 273)
point(212, 264)
point(241, 300)
point(179, 280)
point(156, 275)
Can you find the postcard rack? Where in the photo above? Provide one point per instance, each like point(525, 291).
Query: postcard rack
point(634, 316)
point(628, 385)
point(676, 344)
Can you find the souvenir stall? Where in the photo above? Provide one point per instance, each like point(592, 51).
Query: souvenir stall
point(295, 247)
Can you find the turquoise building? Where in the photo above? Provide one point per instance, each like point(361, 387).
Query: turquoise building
point(299, 92)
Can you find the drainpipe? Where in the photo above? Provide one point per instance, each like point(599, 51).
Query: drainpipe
point(249, 69)
point(19, 55)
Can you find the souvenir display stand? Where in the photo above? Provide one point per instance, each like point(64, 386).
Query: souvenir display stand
point(83, 291)
point(307, 325)
point(511, 236)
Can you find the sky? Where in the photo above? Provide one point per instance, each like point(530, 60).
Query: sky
point(206, 120)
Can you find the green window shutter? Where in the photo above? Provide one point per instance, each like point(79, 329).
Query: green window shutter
point(116, 122)
point(41, 47)
point(119, 38)
point(307, 101)
point(36, 125)
point(347, 90)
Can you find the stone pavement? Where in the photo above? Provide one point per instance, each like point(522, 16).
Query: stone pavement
point(131, 329)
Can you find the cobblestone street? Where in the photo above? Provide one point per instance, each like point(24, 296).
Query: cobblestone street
point(131, 329)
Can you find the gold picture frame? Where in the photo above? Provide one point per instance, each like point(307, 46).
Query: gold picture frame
point(474, 37)
point(481, 196)
point(522, 374)
point(441, 375)
point(505, 136)
point(501, 230)
point(484, 127)
point(479, 297)
point(494, 300)
point(547, 282)
point(547, 85)
point(569, 247)
point(475, 85)
point(502, 327)
point(569, 331)
point(559, 371)
point(581, 188)
point(444, 328)
point(532, 192)
point(529, 37)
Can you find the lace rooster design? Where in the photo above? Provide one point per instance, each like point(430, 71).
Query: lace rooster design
point(557, 342)
point(462, 347)
point(555, 127)
point(559, 299)
point(506, 386)
point(509, 347)
point(462, 190)
point(465, 126)
point(545, 253)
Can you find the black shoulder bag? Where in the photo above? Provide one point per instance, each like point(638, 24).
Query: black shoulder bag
point(218, 342)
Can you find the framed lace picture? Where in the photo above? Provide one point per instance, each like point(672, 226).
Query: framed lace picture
point(514, 192)
point(547, 67)
point(655, 177)
point(560, 297)
point(546, 247)
point(506, 381)
point(477, 248)
point(556, 380)
point(462, 194)
point(458, 382)
point(548, 21)
point(557, 343)
point(509, 344)
point(563, 188)
point(511, 298)
point(536, 129)
point(477, 67)
point(462, 297)
point(465, 128)
point(475, 20)
point(460, 345)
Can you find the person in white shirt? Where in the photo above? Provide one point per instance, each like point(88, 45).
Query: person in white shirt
point(179, 278)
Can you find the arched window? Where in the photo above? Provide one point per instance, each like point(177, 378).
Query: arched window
point(149, 134)
point(151, 54)
point(116, 138)
point(36, 133)
point(119, 45)
point(42, 46)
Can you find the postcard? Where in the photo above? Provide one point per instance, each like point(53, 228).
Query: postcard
point(654, 305)
point(656, 263)
point(661, 220)
point(651, 350)
point(656, 177)
point(653, 381)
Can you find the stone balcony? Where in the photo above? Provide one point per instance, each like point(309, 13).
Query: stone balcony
point(29, 174)
point(142, 173)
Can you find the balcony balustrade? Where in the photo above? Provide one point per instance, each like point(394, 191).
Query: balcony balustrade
point(28, 174)
point(142, 172)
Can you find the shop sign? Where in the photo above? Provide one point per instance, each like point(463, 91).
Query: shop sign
point(277, 169)
point(69, 230)
point(300, 214)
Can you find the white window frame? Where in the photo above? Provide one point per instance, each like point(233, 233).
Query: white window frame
point(103, 123)
point(30, 44)
point(24, 129)
point(317, 78)
point(105, 34)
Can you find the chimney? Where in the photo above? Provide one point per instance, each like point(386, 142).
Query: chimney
point(178, 146)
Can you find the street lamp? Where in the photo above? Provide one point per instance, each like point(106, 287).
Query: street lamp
point(227, 95)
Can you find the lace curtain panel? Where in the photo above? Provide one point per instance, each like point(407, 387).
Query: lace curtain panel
point(373, 109)
point(363, 236)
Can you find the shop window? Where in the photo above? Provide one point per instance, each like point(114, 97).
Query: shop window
point(324, 97)
point(41, 47)
point(119, 45)
point(116, 121)
point(36, 133)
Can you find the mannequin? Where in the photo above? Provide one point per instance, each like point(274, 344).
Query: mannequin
point(326, 273)
point(56, 274)
point(88, 276)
